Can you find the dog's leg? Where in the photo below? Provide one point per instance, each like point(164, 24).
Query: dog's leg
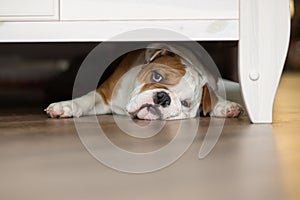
point(225, 108)
point(216, 106)
point(91, 103)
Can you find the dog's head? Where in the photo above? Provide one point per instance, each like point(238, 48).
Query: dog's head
point(167, 88)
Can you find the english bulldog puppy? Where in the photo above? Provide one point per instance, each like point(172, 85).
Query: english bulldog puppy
point(161, 82)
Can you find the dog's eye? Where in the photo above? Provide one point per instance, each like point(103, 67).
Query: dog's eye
point(156, 77)
point(185, 103)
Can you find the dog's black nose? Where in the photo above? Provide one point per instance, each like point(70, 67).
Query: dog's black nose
point(162, 98)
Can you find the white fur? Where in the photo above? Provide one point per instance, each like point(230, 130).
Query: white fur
point(91, 103)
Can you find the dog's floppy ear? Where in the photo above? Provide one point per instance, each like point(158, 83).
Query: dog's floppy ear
point(151, 54)
point(209, 100)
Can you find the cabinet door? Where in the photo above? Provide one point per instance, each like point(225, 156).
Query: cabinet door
point(148, 10)
point(19, 10)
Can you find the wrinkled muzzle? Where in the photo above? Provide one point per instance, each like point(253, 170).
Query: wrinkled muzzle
point(154, 104)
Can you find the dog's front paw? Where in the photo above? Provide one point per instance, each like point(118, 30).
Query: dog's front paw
point(63, 109)
point(227, 109)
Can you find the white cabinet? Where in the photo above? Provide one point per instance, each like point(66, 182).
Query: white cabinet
point(148, 10)
point(99, 20)
point(260, 26)
point(28, 10)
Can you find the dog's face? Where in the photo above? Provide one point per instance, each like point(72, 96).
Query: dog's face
point(166, 89)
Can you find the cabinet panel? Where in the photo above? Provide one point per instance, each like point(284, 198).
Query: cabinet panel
point(85, 31)
point(16, 10)
point(148, 10)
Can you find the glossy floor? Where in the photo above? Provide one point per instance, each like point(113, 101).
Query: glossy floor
point(44, 158)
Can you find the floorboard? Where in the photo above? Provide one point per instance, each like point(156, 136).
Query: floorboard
point(44, 158)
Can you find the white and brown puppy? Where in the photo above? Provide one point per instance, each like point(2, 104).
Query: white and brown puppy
point(155, 83)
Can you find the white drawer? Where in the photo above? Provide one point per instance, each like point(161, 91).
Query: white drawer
point(148, 10)
point(23, 10)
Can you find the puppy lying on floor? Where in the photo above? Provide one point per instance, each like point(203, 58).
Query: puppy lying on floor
point(153, 83)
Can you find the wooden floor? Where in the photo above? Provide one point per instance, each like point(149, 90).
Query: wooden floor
point(43, 158)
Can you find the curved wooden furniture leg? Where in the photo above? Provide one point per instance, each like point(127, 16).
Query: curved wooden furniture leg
point(263, 44)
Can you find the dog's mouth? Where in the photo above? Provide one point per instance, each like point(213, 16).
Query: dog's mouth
point(148, 109)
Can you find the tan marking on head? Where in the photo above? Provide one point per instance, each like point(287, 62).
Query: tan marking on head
point(172, 61)
point(209, 100)
point(106, 89)
point(170, 67)
point(150, 86)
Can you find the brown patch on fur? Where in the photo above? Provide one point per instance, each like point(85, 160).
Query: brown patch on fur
point(150, 86)
point(172, 61)
point(209, 100)
point(106, 89)
point(170, 67)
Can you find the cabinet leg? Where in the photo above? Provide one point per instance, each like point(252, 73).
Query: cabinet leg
point(263, 44)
